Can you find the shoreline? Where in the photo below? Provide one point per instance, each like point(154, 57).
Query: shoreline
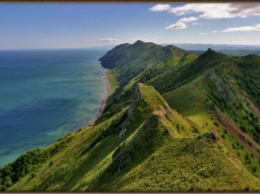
point(104, 101)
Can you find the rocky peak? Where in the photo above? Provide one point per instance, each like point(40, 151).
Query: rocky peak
point(137, 96)
point(138, 42)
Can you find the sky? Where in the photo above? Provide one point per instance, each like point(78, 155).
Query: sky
point(82, 25)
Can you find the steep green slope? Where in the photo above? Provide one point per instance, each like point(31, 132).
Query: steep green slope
point(224, 87)
point(142, 148)
point(189, 68)
point(194, 101)
point(183, 134)
point(81, 153)
point(215, 81)
point(189, 164)
point(163, 69)
point(234, 91)
point(130, 60)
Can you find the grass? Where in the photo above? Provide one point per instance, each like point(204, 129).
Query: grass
point(186, 102)
point(190, 164)
point(194, 105)
point(197, 107)
point(161, 149)
point(112, 78)
point(64, 162)
point(159, 152)
point(240, 152)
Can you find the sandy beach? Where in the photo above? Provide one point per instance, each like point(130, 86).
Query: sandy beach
point(103, 105)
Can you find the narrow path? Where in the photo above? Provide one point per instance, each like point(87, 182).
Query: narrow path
point(254, 108)
point(242, 137)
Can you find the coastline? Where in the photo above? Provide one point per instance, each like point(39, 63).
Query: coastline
point(104, 101)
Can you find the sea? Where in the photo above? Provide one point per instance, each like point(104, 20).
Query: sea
point(45, 94)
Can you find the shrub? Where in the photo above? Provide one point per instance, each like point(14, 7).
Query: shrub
point(247, 188)
point(248, 161)
point(51, 163)
point(216, 124)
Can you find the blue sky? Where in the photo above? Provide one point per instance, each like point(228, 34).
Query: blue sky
point(83, 25)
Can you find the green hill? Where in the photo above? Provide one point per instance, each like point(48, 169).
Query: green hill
point(130, 60)
point(175, 121)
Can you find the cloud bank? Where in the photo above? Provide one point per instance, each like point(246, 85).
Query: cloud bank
point(243, 29)
point(210, 11)
point(218, 10)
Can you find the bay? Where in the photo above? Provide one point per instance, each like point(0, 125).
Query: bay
point(45, 94)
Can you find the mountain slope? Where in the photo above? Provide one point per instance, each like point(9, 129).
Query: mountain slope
point(187, 69)
point(151, 137)
point(224, 92)
point(189, 164)
point(130, 60)
point(66, 167)
point(172, 132)
point(210, 82)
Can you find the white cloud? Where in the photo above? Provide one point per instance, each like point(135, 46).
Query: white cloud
point(211, 11)
point(177, 26)
point(190, 19)
point(181, 24)
point(196, 24)
point(108, 40)
point(218, 10)
point(207, 33)
point(243, 29)
point(160, 7)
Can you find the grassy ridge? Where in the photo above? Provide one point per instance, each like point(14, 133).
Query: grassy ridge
point(145, 141)
point(190, 164)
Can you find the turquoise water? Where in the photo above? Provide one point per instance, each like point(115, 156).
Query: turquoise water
point(44, 94)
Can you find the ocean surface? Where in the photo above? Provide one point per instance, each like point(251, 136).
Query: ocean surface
point(45, 94)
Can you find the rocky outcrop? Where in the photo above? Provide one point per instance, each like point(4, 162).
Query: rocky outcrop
point(213, 135)
point(137, 96)
point(221, 87)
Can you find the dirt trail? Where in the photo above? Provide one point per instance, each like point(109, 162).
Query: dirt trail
point(242, 137)
point(254, 108)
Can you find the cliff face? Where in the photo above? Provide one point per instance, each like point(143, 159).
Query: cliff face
point(162, 129)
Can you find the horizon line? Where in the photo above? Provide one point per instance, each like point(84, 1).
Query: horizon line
point(113, 45)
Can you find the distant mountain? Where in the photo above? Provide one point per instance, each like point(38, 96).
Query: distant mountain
point(233, 50)
point(175, 121)
point(187, 46)
point(138, 57)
